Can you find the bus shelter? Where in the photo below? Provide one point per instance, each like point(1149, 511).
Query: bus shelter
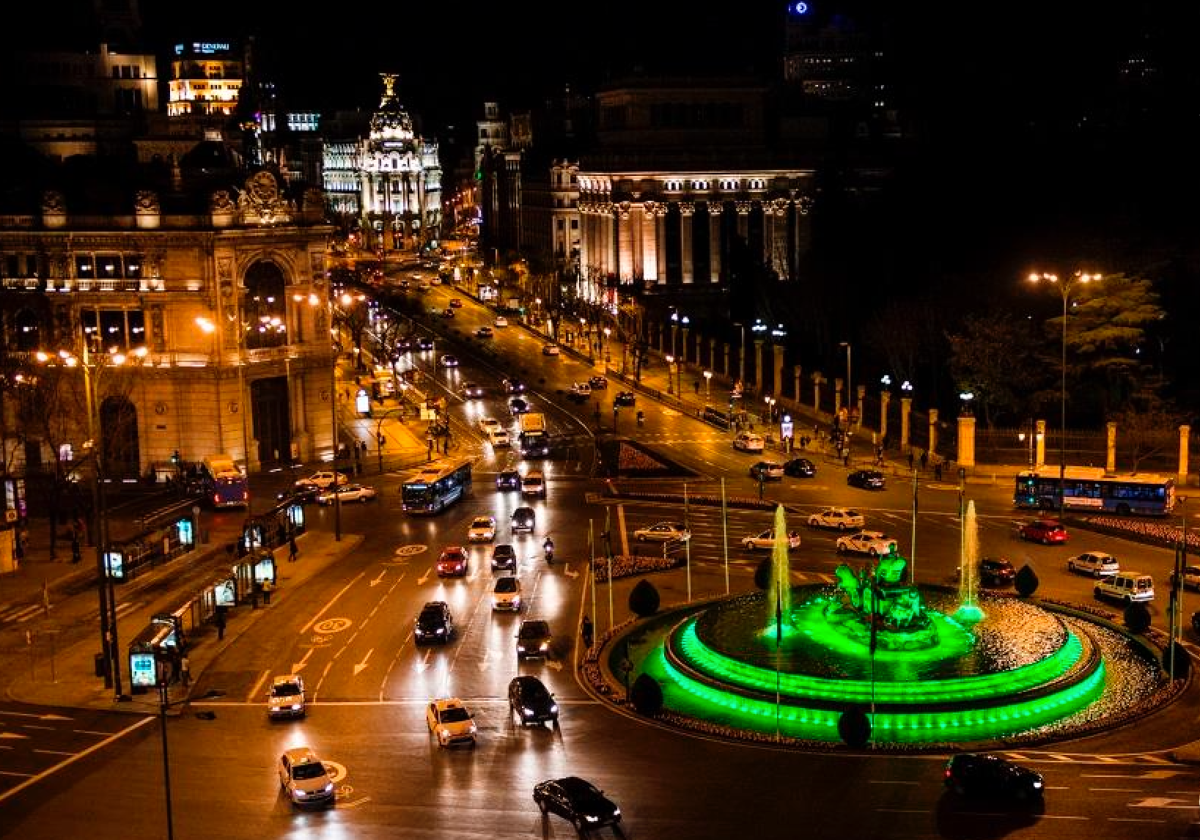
point(161, 639)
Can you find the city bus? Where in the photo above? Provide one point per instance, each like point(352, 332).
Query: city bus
point(224, 484)
point(1091, 489)
point(436, 487)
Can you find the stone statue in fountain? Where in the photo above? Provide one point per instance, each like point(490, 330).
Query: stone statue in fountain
point(880, 591)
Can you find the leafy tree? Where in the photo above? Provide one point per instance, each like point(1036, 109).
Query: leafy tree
point(992, 357)
point(854, 727)
point(1106, 330)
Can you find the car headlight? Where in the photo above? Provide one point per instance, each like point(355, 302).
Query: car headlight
point(440, 630)
point(473, 728)
point(520, 648)
point(299, 794)
point(443, 732)
point(295, 707)
point(543, 646)
point(527, 711)
point(516, 602)
point(328, 787)
point(591, 818)
point(553, 708)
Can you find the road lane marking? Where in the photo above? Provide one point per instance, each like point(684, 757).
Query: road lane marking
point(330, 603)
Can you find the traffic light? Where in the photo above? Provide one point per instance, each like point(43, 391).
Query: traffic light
point(175, 458)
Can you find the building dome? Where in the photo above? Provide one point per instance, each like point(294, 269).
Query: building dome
point(391, 122)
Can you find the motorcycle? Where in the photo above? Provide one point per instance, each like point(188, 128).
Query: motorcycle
point(641, 418)
point(548, 547)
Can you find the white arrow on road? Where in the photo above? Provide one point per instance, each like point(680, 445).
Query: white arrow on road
point(421, 580)
point(1149, 774)
point(553, 663)
point(568, 571)
point(424, 663)
point(297, 667)
point(358, 667)
point(36, 717)
point(486, 662)
point(378, 580)
point(1162, 802)
point(12, 735)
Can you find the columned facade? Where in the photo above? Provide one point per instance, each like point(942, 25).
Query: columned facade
point(667, 229)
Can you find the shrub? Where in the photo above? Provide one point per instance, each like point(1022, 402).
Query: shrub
point(644, 599)
point(854, 727)
point(1026, 582)
point(646, 695)
point(762, 574)
point(1137, 618)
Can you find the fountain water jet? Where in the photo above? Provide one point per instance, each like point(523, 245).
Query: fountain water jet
point(779, 594)
point(968, 568)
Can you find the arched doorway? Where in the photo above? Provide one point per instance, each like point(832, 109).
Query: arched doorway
point(272, 420)
point(265, 310)
point(119, 438)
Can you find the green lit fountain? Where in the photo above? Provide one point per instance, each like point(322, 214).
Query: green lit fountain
point(928, 663)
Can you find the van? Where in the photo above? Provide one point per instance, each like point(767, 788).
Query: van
point(534, 484)
point(1130, 587)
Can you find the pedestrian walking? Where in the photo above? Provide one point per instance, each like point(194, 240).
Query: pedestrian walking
point(937, 471)
point(76, 555)
point(586, 631)
point(293, 552)
point(219, 620)
point(185, 671)
point(925, 459)
point(267, 588)
point(696, 387)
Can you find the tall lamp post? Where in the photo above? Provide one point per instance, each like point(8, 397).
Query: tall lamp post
point(849, 381)
point(742, 355)
point(670, 379)
point(1064, 289)
point(707, 385)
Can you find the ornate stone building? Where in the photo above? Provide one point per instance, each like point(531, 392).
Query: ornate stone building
point(224, 286)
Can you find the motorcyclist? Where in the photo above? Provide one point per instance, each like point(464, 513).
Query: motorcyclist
point(548, 546)
point(641, 416)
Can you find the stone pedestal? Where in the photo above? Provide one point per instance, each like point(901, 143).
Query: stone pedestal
point(758, 364)
point(885, 397)
point(966, 441)
point(1110, 449)
point(837, 396)
point(796, 382)
point(905, 412)
point(1182, 477)
point(933, 430)
point(777, 379)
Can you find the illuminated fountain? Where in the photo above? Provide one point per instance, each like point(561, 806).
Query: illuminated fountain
point(928, 664)
point(968, 568)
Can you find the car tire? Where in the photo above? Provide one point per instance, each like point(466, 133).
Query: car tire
point(872, 552)
point(841, 526)
point(1097, 574)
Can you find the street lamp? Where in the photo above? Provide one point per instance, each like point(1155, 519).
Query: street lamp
point(670, 379)
point(707, 385)
point(742, 356)
point(1064, 288)
point(849, 379)
point(966, 397)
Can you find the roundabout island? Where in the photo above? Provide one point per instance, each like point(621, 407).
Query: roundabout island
point(908, 666)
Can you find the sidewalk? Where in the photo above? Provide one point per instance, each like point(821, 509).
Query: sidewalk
point(48, 658)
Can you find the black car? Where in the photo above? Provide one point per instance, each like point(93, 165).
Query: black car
point(985, 775)
point(518, 406)
point(302, 495)
point(533, 639)
point(598, 383)
point(624, 398)
point(523, 519)
point(996, 571)
point(504, 556)
point(866, 479)
point(514, 386)
point(578, 801)
point(530, 701)
point(508, 480)
point(424, 343)
point(434, 623)
point(800, 468)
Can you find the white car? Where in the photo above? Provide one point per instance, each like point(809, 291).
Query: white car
point(749, 442)
point(550, 350)
point(450, 721)
point(1191, 577)
point(580, 390)
point(323, 480)
point(1094, 563)
point(483, 529)
point(842, 519)
point(499, 437)
point(286, 697)
point(766, 540)
point(663, 532)
point(303, 777)
point(871, 543)
point(347, 493)
point(486, 424)
point(506, 593)
point(500, 321)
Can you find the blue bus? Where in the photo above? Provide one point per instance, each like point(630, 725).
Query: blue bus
point(1091, 489)
point(224, 484)
point(436, 487)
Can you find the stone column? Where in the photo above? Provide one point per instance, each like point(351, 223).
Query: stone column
point(838, 382)
point(725, 356)
point(1110, 449)
point(687, 210)
point(758, 364)
point(1040, 462)
point(1182, 477)
point(683, 349)
point(861, 395)
point(712, 355)
point(933, 430)
point(650, 242)
point(885, 397)
point(624, 223)
point(817, 380)
point(660, 236)
point(778, 378)
point(743, 217)
point(966, 440)
point(905, 411)
point(796, 382)
point(714, 239)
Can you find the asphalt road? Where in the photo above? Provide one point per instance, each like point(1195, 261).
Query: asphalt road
point(349, 633)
